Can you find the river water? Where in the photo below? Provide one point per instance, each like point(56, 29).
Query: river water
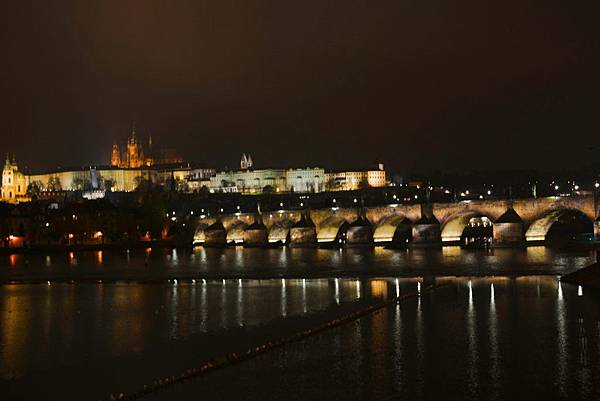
point(496, 325)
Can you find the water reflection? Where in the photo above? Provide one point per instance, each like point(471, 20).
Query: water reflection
point(238, 262)
point(480, 338)
point(42, 324)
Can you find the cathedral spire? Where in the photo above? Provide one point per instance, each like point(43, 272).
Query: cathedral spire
point(133, 140)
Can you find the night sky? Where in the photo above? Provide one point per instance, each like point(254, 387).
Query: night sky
point(420, 85)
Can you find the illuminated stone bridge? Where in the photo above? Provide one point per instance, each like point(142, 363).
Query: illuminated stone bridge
point(501, 222)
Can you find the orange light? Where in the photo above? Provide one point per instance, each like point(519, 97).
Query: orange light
point(71, 236)
point(98, 234)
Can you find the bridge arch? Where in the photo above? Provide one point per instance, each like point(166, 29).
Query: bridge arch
point(199, 235)
point(280, 231)
point(395, 227)
point(560, 222)
point(235, 231)
point(456, 226)
point(332, 229)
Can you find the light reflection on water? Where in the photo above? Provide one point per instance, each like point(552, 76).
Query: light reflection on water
point(41, 324)
point(240, 262)
point(477, 338)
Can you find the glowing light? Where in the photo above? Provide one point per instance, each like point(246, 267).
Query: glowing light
point(576, 187)
point(556, 187)
point(579, 291)
point(489, 192)
point(597, 185)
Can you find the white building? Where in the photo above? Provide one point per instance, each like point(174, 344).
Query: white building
point(275, 180)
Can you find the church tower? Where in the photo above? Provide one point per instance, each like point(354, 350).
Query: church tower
point(135, 154)
point(14, 182)
point(246, 162)
point(115, 159)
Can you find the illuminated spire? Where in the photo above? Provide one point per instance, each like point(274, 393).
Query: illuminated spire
point(132, 140)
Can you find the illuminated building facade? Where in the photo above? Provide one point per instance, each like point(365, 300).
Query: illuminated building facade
point(14, 183)
point(254, 181)
point(356, 179)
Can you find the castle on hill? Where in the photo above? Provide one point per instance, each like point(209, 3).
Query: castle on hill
point(134, 155)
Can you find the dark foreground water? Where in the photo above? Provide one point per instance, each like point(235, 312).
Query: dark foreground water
point(473, 339)
point(158, 313)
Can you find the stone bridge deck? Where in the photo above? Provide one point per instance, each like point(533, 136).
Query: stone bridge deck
point(446, 221)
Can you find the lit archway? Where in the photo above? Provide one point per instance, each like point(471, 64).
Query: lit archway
point(562, 224)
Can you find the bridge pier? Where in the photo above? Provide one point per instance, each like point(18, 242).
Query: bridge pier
point(508, 230)
point(359, 233)
point(597, 227)
point(426, 232)
point(256, 235)
point(303, 233)
point(215, 235)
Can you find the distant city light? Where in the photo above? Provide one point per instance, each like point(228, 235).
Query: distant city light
point(556, 187)
point(489, 192)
